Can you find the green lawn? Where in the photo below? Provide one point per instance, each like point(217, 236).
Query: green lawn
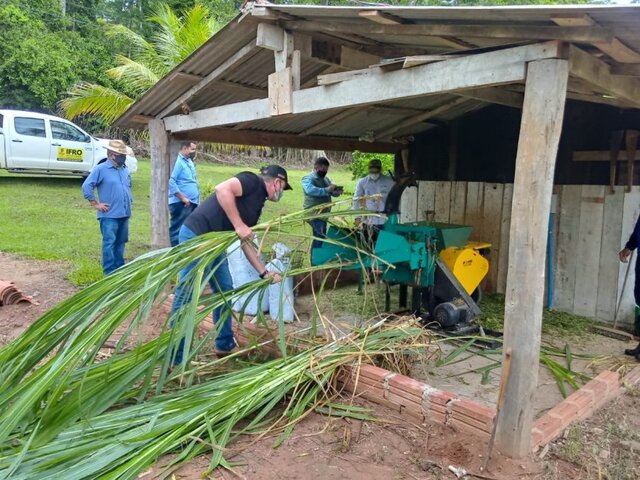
point(47, 218)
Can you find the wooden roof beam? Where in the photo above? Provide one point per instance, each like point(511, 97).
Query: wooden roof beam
point(612, 47)
point(249, 137)
point(595, 72)
point(452, 76)
point(516, 32)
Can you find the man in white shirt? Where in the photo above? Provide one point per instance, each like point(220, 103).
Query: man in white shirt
point(375, 183)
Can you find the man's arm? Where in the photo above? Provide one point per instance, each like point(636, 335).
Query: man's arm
point(310, 189)
point(88, 187)
point(227, 192)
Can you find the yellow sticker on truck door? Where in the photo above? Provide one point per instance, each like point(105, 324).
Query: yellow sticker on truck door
point(70, 154)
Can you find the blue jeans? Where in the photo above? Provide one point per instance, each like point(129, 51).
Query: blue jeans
point(319, 227)
point(178, 213)
point(220, 282)
point(115, 234)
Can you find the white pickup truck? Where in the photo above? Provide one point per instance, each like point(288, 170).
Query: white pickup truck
point(43, 144)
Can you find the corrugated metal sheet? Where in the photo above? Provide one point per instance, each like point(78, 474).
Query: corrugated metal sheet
point(258, 64)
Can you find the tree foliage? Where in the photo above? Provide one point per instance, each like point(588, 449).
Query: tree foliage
point(42, 55)
point(174, 39)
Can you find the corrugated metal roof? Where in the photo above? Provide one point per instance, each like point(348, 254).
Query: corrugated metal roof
point(247, 78)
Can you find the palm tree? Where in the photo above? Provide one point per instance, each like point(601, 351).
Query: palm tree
point(150, 60)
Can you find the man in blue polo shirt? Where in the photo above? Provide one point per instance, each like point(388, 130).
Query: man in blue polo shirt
point(111, 179)
point(184, 193)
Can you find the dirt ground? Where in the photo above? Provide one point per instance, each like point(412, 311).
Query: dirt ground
point(44, 281)
point(605, 446)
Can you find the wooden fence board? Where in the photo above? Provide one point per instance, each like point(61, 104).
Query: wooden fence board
point(503, 261)
point(473, 209)
point(568, 230)
point(458, 202)
point(408, 205)
point(442, 203)
point(492, 222)
point(608, 269)
point(588, 250)
point(426, 200)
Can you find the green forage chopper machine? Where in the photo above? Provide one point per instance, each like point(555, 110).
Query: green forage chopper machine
point(435, 260)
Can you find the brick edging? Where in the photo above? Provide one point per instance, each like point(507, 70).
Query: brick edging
point(423, 402)
point(418, 400)
point(581, 404)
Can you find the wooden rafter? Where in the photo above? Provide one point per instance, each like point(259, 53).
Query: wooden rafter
point(495, 95)
point(421, 117)
point(235, 59)
point(597, 73)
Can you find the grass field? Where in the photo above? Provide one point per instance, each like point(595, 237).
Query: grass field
point(47, 218)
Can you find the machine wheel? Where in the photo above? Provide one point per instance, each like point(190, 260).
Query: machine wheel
point(476, 295)
point(447, 315)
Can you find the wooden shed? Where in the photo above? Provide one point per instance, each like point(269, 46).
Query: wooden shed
point(471, 98)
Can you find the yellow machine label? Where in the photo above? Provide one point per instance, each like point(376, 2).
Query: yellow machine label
point(70, 154)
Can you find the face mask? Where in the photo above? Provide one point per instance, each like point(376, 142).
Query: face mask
point(277, 195)
point(321, 173)
point(120, 159)
point(374, 176)
point(192, 155)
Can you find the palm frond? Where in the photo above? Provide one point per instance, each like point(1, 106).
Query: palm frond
point(89, 98)
point(136, 76)
point(138, 43)
point(38, 387)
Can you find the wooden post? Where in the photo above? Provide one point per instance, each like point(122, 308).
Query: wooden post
point(159, 183)
point(541, 124)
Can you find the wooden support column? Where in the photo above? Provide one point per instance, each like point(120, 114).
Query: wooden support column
point(541, 124)
point(160, 163)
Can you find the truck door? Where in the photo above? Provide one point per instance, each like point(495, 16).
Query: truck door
point(28, 145)
point(71, 148)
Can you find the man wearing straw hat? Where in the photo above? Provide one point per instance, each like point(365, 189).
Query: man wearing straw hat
point(236, 205)
point(113, 183)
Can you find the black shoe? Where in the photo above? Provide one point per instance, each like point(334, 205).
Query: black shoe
point(633, 352)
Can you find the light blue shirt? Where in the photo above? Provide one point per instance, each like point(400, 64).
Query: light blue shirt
point(367, 186)
point(184, 180)
point(114, 188)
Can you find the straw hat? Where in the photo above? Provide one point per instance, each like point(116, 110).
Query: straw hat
point(117, 146)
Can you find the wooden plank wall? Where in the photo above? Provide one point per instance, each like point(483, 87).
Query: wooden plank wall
point(591, 226)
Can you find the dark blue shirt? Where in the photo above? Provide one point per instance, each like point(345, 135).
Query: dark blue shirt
point(632, 244)
point(114, 188)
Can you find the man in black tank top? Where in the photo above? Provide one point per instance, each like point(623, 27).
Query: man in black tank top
point(235, 205)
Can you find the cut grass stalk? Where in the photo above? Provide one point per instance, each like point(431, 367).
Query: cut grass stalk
point(119, 444)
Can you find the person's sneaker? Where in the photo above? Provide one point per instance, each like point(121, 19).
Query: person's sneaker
point(633, 352)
